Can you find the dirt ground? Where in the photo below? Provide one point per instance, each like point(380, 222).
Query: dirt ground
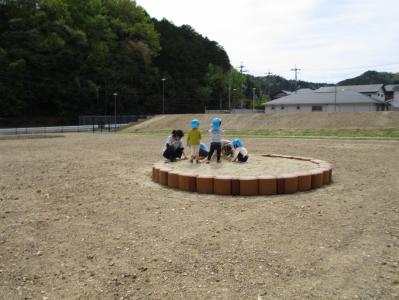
point(81, 219)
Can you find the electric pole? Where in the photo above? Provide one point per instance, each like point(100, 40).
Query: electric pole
point(268, 74)
point(296, 76)
point(242, 70)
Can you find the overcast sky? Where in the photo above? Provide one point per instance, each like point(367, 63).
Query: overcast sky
point(330, 40)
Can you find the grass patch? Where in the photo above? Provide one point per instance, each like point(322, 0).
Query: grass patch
point(336, 133)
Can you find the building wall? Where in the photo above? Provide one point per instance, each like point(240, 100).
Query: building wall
point(395, 101)
point(325, 108)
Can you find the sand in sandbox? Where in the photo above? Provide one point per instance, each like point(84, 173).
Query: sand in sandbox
point(255, 166)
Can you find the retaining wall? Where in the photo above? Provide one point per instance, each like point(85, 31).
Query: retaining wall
point(290, 183)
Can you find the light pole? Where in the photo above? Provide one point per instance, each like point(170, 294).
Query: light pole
point(230, 90)
point(163, 95)
point(232, 98)
point(115, 95)
point(253, 99)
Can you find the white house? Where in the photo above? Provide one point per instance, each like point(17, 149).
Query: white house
point(395, 101)
point(339, 101)
point(375, 91)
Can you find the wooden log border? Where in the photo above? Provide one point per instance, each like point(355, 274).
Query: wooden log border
point(289, 183)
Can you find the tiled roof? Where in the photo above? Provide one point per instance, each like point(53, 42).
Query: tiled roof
point(366, 88)
point(341, 97)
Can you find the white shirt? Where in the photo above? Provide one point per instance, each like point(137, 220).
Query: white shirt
point(241, 150)
point(176, 143)
point(216, 135)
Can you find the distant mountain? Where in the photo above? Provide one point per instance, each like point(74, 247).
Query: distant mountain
point(372, 77)
point(274, 83)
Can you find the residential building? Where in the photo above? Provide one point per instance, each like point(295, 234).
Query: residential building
point(375, 91)
point(339, 101)
point(389, 91)
point(395, 99)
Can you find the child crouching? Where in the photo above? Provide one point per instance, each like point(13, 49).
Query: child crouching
point(240, 153)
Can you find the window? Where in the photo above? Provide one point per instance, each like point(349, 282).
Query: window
point(298, 107)
point(272, 107)
point(317, 108)
point(282, 107)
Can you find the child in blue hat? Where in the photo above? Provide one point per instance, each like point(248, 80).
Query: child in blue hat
point(240, 153)
point(216, 139)
point(204, 151)
point(194, 140)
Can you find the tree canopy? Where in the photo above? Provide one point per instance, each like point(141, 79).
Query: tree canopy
point(65, 58)
point(372, 77)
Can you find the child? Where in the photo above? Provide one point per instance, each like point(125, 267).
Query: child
point(227, 148)
point(216, 139)
point(204, 151)
point(194, 140)
point(240, 153)
point(173, 146)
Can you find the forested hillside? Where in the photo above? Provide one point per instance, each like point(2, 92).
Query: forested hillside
point(274, 83)
point(372, 77)
point(194, 67)
point(64, 58)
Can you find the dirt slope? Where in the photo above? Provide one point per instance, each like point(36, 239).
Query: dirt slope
point(277, 121)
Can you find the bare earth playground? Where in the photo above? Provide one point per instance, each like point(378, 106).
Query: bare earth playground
point(81, 218)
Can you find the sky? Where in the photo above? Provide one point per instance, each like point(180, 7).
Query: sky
point(329, 40)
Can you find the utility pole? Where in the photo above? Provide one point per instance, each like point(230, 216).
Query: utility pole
point(241, 67)
point(253, 100)
point(163, 95)
point(230, 79)
point(115, 95)
point(268, 74)
point(296, 76)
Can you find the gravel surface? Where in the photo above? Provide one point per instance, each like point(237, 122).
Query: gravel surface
point(81, 219)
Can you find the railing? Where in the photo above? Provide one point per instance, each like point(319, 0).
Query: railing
point(109, 119)
point(86, 124)
point(234, 111)
point(246, 111)
point(60, 129)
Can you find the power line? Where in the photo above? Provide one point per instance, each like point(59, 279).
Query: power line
point(343, 69)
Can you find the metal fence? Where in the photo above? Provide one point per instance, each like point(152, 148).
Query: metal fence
point(108, 119)
point(246, 111)
point(86, 124)
point(234, 111)
point(52, 129)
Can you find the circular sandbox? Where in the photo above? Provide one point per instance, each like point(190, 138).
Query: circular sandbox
point(262, 175)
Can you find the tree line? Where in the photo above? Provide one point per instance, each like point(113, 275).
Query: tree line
point(64, 58)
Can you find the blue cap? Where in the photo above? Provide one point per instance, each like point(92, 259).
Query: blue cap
point(216, 123)
point(195, 123)
point(204, 147)
point(237, 143)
